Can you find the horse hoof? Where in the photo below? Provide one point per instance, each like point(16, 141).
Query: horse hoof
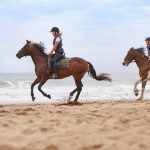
point(33, 98)
point(49, 96)
point(68, 101)
point(72, 103)
point(70, 97)
point(136, 94)
point(139, 99)
point(75, 102)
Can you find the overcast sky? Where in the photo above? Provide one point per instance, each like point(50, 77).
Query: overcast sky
point(100, 31)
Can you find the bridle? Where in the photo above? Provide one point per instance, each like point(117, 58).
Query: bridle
point(27, 48)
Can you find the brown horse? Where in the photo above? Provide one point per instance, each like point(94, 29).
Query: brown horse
point(77, 68)
point(143, 64)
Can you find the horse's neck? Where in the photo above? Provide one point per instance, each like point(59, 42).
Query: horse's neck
point(140, 61)
point(38, 58)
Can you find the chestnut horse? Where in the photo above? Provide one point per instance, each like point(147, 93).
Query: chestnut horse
point(143, 64)
point(77, 68)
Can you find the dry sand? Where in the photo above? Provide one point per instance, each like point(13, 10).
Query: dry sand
point(108, 125)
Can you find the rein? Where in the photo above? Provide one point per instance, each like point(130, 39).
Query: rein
point(40, 55)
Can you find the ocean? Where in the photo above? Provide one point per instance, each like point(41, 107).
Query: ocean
point(15, 88)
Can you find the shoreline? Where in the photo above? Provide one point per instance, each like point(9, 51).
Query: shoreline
point(57, 102)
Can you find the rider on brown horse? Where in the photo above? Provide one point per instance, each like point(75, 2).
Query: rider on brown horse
point(57, 50)
point(148, 46)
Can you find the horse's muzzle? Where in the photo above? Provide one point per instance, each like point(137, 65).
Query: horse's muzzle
point(18, 55)
point(125, 63)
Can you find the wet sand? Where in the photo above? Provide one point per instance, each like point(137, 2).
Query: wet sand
point(106, 125)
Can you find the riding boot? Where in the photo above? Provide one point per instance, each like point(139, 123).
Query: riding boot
point(149, 57)
point(54, 70)
point(52, 67)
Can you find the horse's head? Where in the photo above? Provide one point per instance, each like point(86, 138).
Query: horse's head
point(25, 50)
point(129, 57)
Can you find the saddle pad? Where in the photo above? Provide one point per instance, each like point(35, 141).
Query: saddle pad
point(63, 63)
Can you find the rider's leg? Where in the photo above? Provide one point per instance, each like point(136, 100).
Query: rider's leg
point(56, 57)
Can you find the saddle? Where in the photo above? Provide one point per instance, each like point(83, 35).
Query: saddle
point(63, 63)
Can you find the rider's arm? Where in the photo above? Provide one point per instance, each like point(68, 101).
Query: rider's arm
point(54, 47)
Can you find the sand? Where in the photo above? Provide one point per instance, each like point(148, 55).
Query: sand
point(106, 125)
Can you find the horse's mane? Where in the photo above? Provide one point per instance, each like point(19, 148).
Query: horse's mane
point(40, 46)
point(141, 50)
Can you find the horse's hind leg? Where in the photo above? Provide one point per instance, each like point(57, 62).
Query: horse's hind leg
point(79, 89)
point(79, 86)
point(37, 80)
point(42, 82)
point(71, 94)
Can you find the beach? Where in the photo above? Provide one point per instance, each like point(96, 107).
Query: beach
point(118, 125)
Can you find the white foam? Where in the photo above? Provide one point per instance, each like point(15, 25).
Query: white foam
point(9, 83)
point(19, 91)
point(24, 84)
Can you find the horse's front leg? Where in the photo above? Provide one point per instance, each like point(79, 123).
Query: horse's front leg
point(143, 89)
point(42, 82)
point(135, 87)
point(37, 80)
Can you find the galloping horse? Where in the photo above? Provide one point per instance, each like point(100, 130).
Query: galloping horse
point(77, 68)
point(143, 64)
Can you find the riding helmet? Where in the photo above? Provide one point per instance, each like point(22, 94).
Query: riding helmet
point(147, 39)
point(55, 29)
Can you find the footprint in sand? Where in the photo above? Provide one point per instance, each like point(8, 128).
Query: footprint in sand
point(28, 131)
point(28, 109)
point(4, 111)
point(21, 113)
point(51, 147)
point(43, 129)
point(59, 112)
point(92, 147)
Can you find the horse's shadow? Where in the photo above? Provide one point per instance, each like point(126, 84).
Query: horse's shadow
point(70, 103)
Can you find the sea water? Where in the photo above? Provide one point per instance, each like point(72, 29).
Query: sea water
point(16, 88)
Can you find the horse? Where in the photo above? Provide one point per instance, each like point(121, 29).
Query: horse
point(77, 68)
point(138, 56)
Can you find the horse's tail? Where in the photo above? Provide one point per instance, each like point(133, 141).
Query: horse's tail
point(102, 76)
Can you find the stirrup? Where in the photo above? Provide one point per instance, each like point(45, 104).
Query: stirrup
point(51, 76)
point(54, 76)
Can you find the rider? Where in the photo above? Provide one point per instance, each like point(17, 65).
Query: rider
point(147, 40)
point(57, 50)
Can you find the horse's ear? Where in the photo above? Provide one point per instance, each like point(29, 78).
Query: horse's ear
point(28, 42)
point(131, 48)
